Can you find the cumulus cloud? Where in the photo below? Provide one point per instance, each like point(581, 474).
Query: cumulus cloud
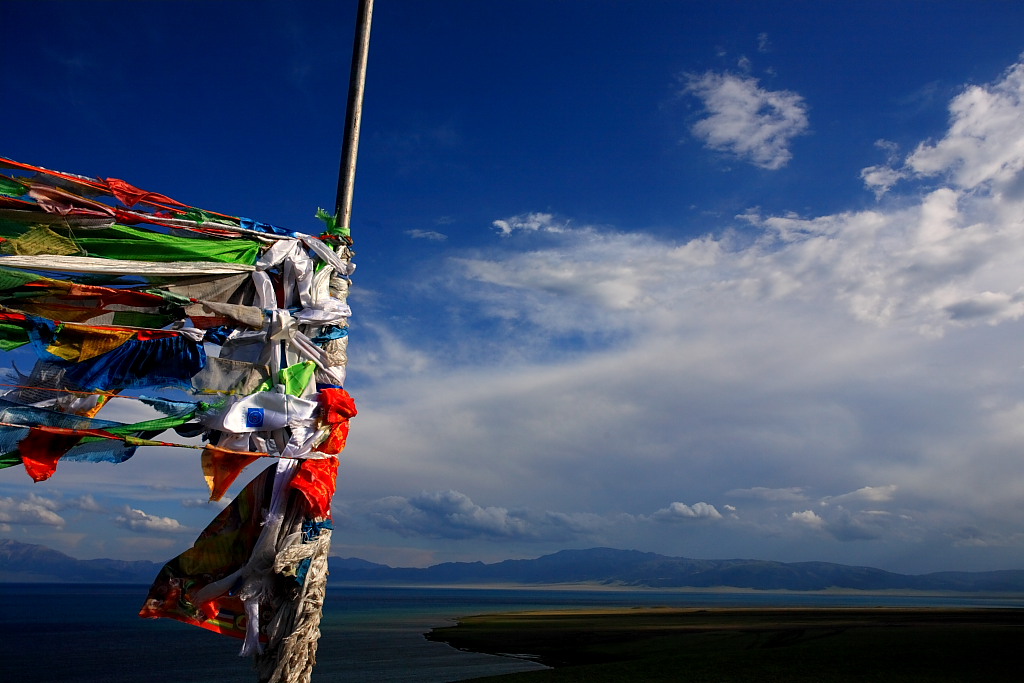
point(35, 511)
point(141, 522)
point(529, 222)
point(983, 148)
point(846, 517)
point(450, 514)
point(881, 178)
point(85, 503)
point(681, 511)
point(985, 140)
point(808, 517)
point(747, 121)
point(847, 525)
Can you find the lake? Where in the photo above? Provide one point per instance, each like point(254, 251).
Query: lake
point(91, 634)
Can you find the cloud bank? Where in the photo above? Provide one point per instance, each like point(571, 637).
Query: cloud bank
point(836, 381)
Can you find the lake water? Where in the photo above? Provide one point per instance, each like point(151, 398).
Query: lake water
point(91, 634)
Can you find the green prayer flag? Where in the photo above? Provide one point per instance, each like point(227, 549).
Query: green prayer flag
point(11, 188)
point(296, 378)
point(128, 243)
point(9, 459)
point(12, 278)
point(332, 224)
point(12, 336)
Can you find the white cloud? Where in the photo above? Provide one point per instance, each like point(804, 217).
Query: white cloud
point(139, 521)
point(983, 149)
point(36, 511)
point(948, 260)
point(872, 494)
point(529, 222)
point(427, 235)
point(389, 354)
point(43, 511)
point(682, 511)
point(85, 503)
point(880, 179)
point(808, 517)
point(206, 503)
point(621, 288)
point(43, 502)
point(747, 121)
point(985, 140)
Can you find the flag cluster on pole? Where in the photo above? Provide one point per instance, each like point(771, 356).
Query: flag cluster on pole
point(240, 330)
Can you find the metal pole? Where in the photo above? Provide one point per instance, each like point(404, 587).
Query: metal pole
point(353, 115)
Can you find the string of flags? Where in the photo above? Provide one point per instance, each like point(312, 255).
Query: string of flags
point(235, 332)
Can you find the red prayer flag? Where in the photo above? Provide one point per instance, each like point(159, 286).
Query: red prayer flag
point(316, 479)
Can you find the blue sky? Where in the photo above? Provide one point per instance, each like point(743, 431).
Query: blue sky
point(729, 279)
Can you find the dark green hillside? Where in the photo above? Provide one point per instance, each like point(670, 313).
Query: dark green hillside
point(752, 645)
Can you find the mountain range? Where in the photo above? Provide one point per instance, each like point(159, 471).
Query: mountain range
point(25, 562)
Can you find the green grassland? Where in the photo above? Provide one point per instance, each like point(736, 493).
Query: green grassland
point(766, 645)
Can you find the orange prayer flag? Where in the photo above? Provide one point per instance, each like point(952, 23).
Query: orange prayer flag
point(221, 467)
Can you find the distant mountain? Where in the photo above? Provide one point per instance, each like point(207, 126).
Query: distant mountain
point(352, 563)
point(23, 562)
point(29, 563)
point(632, 568)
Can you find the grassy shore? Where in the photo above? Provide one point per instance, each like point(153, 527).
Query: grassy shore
point(766, 645)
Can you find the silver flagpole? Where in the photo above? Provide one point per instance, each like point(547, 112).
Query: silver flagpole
point(353, 115)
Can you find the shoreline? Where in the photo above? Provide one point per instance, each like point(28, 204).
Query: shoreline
point(710, 590)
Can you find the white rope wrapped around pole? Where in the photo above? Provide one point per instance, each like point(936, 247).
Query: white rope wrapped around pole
point(291, 658)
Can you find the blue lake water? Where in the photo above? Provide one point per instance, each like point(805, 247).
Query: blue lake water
point(91, 634)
